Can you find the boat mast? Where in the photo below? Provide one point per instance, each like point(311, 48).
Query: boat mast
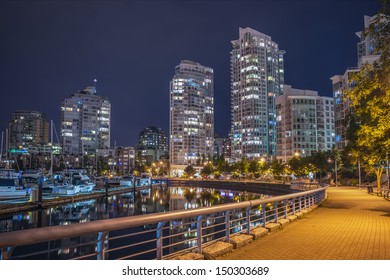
point(1, 151)
point(114, 163)
point(51, 148)
point(6, 147)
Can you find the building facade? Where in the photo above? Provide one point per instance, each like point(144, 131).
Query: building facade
point(191, 114)
point(257, 76)
point(340, 83)
point(305, 123)
point(218, 146)
point(222, 147)
point(152, 145)
point(85, 122)
point(125, 160)
point(28, 129)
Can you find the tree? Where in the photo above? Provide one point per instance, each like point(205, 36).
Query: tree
point(369, 99)
point(189, 171)
point(207, 170)
point(320, 161)
point(297, 166)
point(244, 166)
point(254, 166)
point(276, 168)
point(222, 164)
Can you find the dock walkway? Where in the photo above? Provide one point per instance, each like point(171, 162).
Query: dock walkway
point(349, 225)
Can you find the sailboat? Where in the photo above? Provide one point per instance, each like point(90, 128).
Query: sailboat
point(9, 181)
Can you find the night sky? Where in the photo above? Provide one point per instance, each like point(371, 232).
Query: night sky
point(51, 49)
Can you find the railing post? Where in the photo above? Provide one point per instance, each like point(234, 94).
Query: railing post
point(300, 203)
point(199, 232)
point(285, 204)
point(159, 241)
point(248, 219)
point(100, 245)
point(263, 206)
point(5, 253)
point(276, 211)
point(293, 205)
point(227, 222)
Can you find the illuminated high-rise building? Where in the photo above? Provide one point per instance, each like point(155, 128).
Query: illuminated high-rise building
point(191, 114)
point(305, 123)
point(152, 145)
point(257, 76)
point(85, 122)
point(340, 83)
point(28, 129)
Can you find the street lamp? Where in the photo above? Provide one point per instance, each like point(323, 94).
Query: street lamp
point(335, 168)
point(360, 175)
point(388, 170)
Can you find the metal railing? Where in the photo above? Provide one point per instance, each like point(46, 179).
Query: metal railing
point(154, 236)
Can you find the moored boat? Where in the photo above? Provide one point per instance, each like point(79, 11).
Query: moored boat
point(10, 189)
point(77, 183)
point(146, 179)
point(126, 181)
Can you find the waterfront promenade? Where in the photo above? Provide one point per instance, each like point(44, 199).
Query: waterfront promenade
point(349, 225)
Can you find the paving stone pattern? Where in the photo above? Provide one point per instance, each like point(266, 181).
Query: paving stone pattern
point(350, 225)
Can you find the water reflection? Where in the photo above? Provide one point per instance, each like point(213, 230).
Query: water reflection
point(152, 200)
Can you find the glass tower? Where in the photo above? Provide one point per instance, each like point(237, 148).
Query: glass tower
point(85, 122)
point(256, 79)
point(191, 114)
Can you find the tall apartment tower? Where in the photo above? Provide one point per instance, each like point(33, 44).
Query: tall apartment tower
point(305, 123)
point(257, 76)
point(340, 83)
point(85, 122)
point(28, 129)
point(152, 145)
point(191, 114)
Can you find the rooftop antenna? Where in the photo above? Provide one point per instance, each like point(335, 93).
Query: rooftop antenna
point(95, 82)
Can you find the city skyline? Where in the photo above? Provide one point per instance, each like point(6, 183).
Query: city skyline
point(52, 49)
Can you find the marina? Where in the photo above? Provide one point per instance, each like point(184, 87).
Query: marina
point(117, 203)
point(151, 226)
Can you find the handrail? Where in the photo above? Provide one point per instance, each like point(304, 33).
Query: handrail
point(37, 235)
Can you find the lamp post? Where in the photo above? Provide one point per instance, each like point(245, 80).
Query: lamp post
point(360, 175)
point(335, 169)
point(387, 171)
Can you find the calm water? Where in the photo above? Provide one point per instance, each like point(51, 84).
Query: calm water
point(156, 199)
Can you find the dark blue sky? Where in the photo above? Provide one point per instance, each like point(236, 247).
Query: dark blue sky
point(50, 49)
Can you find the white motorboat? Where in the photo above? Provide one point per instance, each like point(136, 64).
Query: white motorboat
point(10, 189)
point(77, 183)
point(126, 181)
point(66, 189)
point(8, 173)
point(114, 181)
point(86, 185)
point(145, 179)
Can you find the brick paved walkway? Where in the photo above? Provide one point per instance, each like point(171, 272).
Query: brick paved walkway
point(350, 225)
